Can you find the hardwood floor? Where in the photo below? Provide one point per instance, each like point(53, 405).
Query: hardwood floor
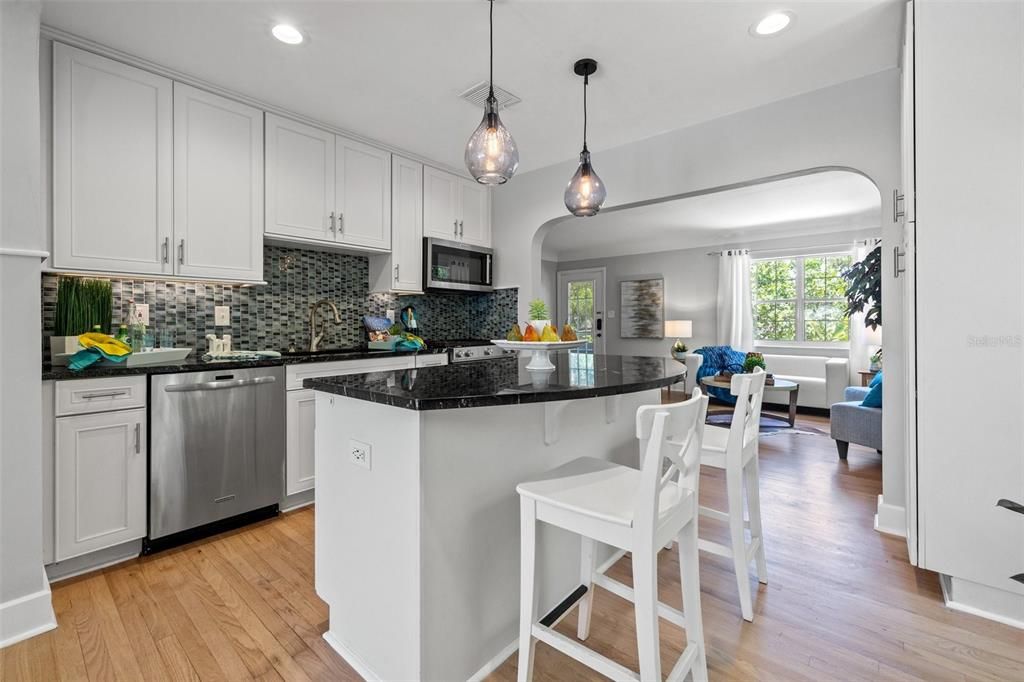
point(841, 602)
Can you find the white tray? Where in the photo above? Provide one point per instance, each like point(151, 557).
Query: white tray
point(157, 356)
point(540, 351)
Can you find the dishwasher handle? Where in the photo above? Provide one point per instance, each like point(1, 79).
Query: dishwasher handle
point(218, 385)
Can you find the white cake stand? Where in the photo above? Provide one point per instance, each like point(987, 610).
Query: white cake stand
point(540, 351)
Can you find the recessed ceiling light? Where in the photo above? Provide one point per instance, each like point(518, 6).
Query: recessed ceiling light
point(772, 24)
point(287, 33)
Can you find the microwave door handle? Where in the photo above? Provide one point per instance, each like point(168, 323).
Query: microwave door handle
point(487, 280)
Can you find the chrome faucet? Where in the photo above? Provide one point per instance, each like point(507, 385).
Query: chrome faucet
point(314, 337)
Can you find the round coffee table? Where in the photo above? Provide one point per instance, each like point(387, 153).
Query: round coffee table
point(792, 387)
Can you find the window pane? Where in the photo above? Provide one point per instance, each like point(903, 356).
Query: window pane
point(774, 279)
point(824, 321)
point(581, 310)
point(775, 321)
point(823, 276)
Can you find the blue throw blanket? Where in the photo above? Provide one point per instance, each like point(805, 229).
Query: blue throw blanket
point(717, 358)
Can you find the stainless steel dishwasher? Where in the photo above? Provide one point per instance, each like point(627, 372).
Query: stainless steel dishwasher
point(217, 447)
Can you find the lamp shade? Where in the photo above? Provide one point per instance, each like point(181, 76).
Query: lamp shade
point(679, 329)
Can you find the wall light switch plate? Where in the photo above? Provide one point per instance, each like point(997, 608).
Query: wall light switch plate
point(611, 314)
point(360, 453)
point(142, 312)
point(390, 314)
point(221, 315)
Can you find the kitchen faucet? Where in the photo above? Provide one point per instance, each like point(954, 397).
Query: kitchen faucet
point(314, 337)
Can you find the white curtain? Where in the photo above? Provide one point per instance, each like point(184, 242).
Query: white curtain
point(735, 312)
point(863, 341)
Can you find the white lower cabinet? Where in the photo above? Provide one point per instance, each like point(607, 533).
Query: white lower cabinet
point(299, 461)
point(99, 481)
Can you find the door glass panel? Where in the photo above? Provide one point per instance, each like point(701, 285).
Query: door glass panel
point(581, 310)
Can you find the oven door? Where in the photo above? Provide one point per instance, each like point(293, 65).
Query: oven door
point(454, 266)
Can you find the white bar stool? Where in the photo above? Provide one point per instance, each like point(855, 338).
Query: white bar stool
point(635, 510)
point(735, 450)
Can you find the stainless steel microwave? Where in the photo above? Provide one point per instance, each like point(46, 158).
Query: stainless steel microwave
point(454, 266)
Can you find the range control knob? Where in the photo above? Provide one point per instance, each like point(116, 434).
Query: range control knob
point(488, 351)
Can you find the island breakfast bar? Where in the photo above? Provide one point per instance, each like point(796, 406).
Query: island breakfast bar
point(417, 518)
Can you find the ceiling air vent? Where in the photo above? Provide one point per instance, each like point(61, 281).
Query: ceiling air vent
point(477, 95)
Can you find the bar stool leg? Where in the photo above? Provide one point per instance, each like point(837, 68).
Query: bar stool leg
point(689, 567)
point(527, 589)
point(734, 492)
point(645, 586)
point(587, 560)
point(752, 475)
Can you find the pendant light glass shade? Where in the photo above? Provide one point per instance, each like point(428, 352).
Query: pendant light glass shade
point(586, 192)
point(491, 154)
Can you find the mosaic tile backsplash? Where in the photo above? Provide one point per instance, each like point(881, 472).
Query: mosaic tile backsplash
point(276, 316)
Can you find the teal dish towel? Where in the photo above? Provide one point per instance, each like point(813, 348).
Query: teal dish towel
point(90, 356)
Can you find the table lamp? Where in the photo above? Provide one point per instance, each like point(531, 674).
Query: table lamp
point(681, 329)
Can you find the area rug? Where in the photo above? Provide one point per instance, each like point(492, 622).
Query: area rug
point(768, 425)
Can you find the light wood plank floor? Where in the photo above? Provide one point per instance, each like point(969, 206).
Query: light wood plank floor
point(841, 604)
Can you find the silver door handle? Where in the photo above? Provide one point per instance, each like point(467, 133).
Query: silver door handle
point(341, 223)
point(896, 212)
point(896, 255)
point(456, 224)
point(462, 229)
point(396, 273)
point(488, 280)
point(138, 438)
point(167, 249)
point(181, 252)
point(109, 394)
point(332, 222)
point(218, 385)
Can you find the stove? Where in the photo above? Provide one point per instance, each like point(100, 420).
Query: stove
point(469, 350)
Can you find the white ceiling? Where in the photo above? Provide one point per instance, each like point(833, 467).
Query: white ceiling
point(832, 201)
point(392, 71)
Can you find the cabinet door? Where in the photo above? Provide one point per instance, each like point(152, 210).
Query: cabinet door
point(300, 180)
point(363, 194)
point(440, 204)
point(100, 481)
point(112, 165)
point(218, 187)
point(407, 224)
point(300, 460)
point(475, 213)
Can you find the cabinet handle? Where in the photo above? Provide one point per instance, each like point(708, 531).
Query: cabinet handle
point(396, 273)
point(456, 224)
point(138, 438)
point(488, 279)
point(181, 252)
point(462, 230)
point(896, 269)
point(341, 223)
point(332, 222)
point(108, 394)
point(167, 249)
point(896, 212)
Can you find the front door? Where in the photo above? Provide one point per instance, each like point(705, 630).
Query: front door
point(581, 303)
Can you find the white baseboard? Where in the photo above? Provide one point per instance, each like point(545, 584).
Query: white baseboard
point(27, 616)
point(984, 601)
point(891, 519)
point(350, 657)
point(493, 664)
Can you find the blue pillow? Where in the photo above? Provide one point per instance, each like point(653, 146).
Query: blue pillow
point(874, 396)
point(875, 380)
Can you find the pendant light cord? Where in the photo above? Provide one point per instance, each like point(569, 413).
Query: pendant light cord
point(491, 23)
point(586, 82)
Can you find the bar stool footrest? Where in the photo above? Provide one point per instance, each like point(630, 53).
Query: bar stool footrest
point(626, 592)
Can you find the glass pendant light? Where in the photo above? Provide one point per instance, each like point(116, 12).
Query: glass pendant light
point(586, 192)
point(491, 154)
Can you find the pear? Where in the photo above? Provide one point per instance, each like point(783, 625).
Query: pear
point(569, 334)
point(549, 335)
point(531, 334)
point(515, 334)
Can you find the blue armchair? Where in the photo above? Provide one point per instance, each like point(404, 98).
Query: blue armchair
point(854, 423)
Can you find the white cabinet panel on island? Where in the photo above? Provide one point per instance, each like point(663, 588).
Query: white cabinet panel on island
point(218, 186)
point(100, 481)
point(112, 165)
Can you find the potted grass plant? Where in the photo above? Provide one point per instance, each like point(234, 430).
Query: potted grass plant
point(82, 305)
point(539, 316)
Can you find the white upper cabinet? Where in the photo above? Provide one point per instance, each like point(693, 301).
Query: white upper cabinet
point(112, 166)
point(300, 180)
point(218, 186)
point(455, 208)
point(440, 204)
point(475, 215)
point(402, 269)
point(362, 180)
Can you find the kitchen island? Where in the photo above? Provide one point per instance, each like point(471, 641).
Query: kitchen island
point(417, 518)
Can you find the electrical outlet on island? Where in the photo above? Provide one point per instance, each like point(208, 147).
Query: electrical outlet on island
point(221, 315)
point(359, 453)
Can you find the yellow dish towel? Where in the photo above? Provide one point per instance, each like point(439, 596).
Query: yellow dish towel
point(107, 344)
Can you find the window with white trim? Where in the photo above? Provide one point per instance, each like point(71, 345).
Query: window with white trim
point(800, 299)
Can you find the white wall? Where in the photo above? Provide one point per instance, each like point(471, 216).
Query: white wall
point(24, 593)
point(970, 290)
point(691, 289)
point(852, 125)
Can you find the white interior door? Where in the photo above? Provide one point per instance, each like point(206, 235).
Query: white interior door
point(581, 304)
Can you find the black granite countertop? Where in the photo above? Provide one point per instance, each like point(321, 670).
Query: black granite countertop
point(506, 381)
point(195, 363)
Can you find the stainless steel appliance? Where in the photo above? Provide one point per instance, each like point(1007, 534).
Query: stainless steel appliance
point(470, 350)
point(454, 266)
point(217, 446)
